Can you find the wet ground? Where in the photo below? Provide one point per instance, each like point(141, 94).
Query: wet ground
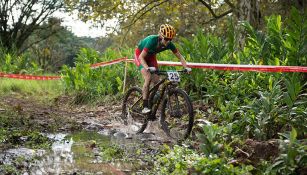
point(92, 139)
point(86, 140)
point(82, 153)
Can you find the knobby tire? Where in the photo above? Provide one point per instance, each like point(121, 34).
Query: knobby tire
point(131, 110)
point(177, 116)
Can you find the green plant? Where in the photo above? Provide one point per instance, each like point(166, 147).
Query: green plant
point(183, 161)
point(89, 84)
point(280, 44)
point(211, 139)
point(14, 63)
point(8, 169)
point(295, 98)
point(37, 140)
point(293, 155)
point(267, 110)
point(111, 152)
point(294, 40)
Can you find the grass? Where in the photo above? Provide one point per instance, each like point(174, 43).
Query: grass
point(47, 89)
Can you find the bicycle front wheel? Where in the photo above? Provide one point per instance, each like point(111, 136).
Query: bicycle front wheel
point(177, 115)
point(131, 110)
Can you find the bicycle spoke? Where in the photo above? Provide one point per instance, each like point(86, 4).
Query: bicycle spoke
point(177, 115)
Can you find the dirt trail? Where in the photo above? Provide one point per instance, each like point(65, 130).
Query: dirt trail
point(99, 117)
point(61, 108)
point(104, 118)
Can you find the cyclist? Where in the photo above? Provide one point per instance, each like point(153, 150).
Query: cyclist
point(145, 57)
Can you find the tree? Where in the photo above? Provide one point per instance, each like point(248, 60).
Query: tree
point(138, 18)
point(61, 48)
point(20, 18)
point(141, 17)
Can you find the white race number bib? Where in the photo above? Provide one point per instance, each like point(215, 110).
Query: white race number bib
point(173, 76)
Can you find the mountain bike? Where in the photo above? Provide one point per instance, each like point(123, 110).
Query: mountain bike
point(174, 104)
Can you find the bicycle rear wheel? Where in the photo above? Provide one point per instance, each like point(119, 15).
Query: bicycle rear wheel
point(131, 110)
point(177, 115)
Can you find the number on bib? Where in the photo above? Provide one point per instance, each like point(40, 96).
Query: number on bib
point(173, 76)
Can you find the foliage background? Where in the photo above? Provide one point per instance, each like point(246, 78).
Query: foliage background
point(247, 105)
point(238, 106)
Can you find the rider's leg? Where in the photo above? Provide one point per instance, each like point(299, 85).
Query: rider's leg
point(147, 79)
point(154, 77)
point(152, 62)
point(145, 91)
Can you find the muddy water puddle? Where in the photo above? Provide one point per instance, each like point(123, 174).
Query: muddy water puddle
point(108, 151)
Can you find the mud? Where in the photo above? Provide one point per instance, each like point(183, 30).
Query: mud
point(61, 116)
point(64, 157)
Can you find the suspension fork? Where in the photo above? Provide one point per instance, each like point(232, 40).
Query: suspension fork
point(177, 102)
point(176, 106)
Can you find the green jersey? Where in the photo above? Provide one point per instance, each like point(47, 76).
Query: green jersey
point(152, 45)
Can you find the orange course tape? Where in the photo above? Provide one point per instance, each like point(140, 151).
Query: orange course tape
point(107, 63)
point(29, 77)
point(230, 67)
point(235, 67)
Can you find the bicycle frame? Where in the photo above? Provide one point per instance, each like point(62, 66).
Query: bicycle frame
point(176, 108)
point(154, 107)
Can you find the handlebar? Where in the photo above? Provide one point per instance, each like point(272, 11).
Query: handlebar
point(164, 72)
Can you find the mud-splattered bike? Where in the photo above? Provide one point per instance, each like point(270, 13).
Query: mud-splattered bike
point(176, 108)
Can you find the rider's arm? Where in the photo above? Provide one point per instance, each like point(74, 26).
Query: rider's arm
point(181, 58)
point(142, 59)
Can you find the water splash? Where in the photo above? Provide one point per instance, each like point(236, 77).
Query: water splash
point(59, 160)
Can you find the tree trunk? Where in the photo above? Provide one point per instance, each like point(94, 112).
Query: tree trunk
point(249, 11)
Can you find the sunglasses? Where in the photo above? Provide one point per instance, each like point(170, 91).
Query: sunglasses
point(167, 39)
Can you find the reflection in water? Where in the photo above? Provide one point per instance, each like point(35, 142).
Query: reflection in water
point(59, 160)
point(76, 153)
